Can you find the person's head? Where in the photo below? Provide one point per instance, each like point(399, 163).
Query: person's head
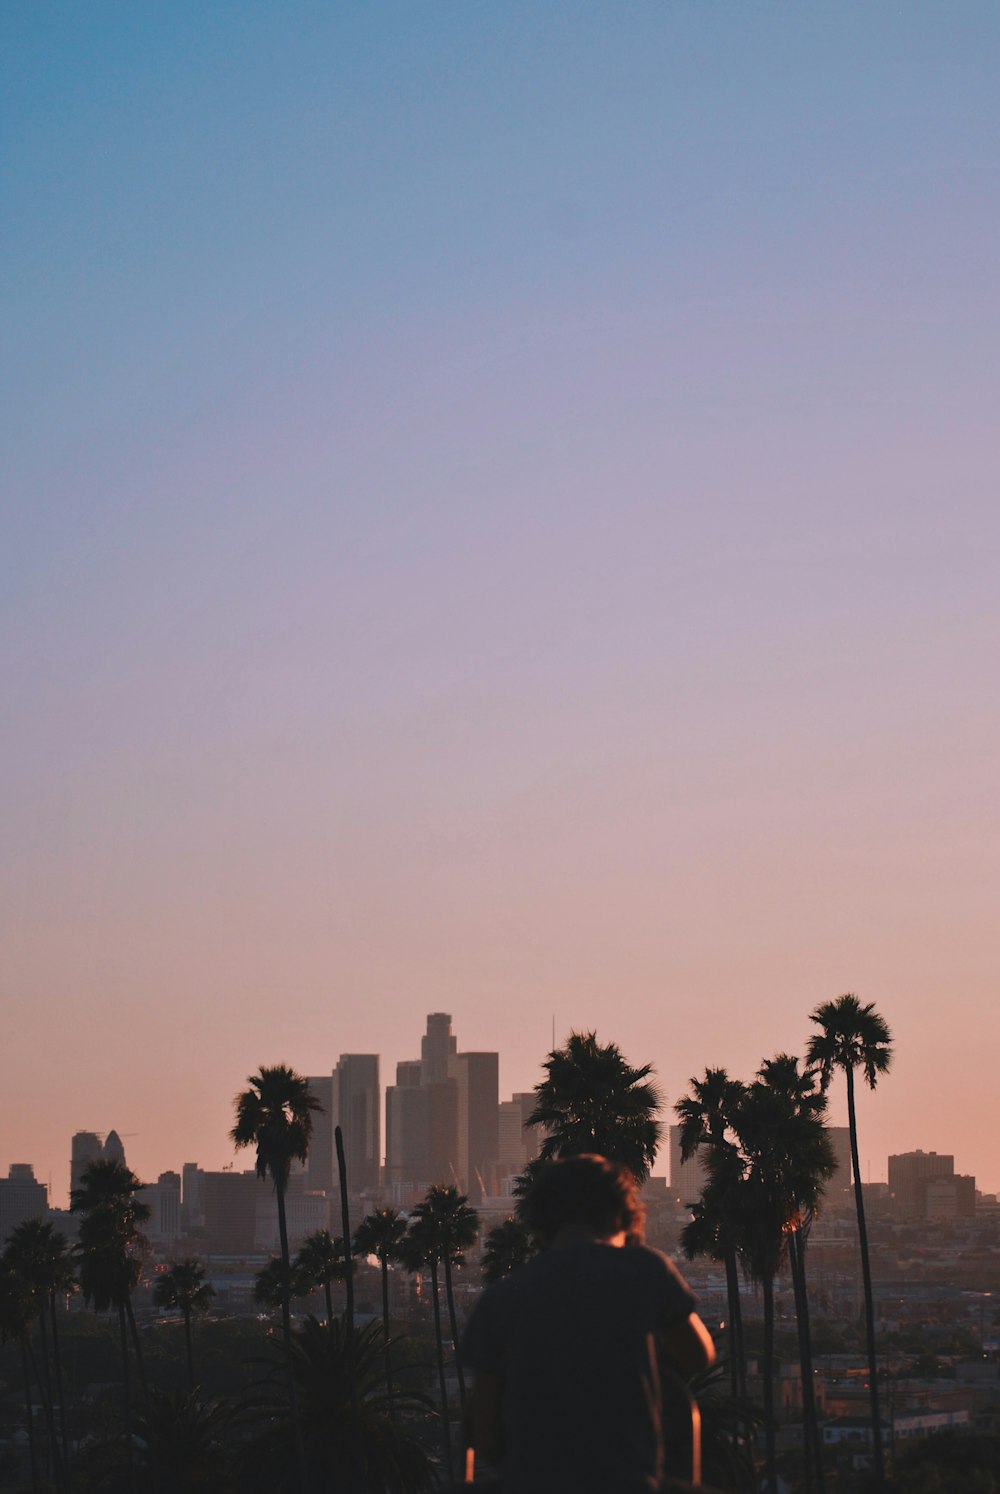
point(587, 1191)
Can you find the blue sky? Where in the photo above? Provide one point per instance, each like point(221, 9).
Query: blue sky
point(501, 517)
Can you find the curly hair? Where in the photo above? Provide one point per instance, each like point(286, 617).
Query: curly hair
point(588, 1190)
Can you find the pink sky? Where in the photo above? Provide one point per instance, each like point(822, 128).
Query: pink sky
point(504, 521)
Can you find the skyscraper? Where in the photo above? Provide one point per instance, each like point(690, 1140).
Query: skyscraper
point(437, 1046)
point(357, 1107)
point(441, 1116)
point(477, 1077)
point(86, 1147)
point(686, 1178)
point(517, 1143)
point(320, 1171)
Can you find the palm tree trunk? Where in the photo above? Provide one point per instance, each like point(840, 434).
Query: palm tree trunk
point(338, 1137)
point(813, 1448)
point(866, 1274)
point(768, 1370)
point(286, 1332)
point(445, 1424)
point(127, 1397)
point(139, 1360)
point(328, 1294)
point(385, 1322)
point(345, 1218)
point(57, 1360)
point(188, 1346)
point(453, 1321)
point(47, 1402)
point(737, 1357)
point(29, 1414)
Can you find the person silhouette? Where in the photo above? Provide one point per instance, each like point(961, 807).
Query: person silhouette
point(567, 1395)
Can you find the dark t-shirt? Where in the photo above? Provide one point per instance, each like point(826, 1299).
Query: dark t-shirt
point(573, 1337)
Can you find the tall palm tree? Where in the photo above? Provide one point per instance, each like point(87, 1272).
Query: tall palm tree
point(592, 1100)
point(18, 1308)
point(40, 1256)
point(273, 1284)
point(381, 1234)
point(853, 1036)
point(275, 1115)
point(420, 1252)
point(110, 1246)
point(759, 1181)
point(705, 1120)
point(508, 1246)
point(183, 1287)
point(811, 1163)
point(451, 1227)
point(322, 1260)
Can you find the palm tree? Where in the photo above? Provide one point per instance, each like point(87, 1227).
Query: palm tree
point(110, 1248)
point(853, 1036)
point(381, 1234)
point(592, 1100)
point(811, 1163)
point(40, 1256)
point(275, 1115)
point(322, 1260)
point(183, 1286)
point(419, 1252)
point(452, 1226)
point(508, 1246)
point(18, 1308)
point(705, 1121)
point(274, 1285)
point(758, 1184)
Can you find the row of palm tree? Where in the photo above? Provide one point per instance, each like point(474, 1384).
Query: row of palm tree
point(768, 1159)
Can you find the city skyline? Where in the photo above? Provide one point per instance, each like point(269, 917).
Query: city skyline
point(499, 517)
point(875, 1168)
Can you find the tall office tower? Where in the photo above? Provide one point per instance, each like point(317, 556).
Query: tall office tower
point(22, 1197)
point(406, 1137)
point(517, 1142)
point(320, 1171)
point(86, 1147)
point(437, 1046)
point(357, 1108)
point(192, 1196)
point(837, 1190)
point(924, 1185)
point(909, 1174)
point(113, 1149)
point(477, 1078)
point(231, 1200)
point(442, 1132)
point(421, 1136)
point(163, 1199)
point(686, 1178)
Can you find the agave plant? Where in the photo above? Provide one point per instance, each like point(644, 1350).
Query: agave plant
point(357, 1434)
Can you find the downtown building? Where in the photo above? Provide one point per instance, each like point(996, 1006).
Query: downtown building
point(442, 1118)
point(351, 1098)
point(924, 1185)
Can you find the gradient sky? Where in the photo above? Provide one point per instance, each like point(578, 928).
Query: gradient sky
point(500, 516)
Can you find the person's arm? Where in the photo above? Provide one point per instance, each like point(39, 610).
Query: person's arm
point(689, 1346)
point(487, 1416)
